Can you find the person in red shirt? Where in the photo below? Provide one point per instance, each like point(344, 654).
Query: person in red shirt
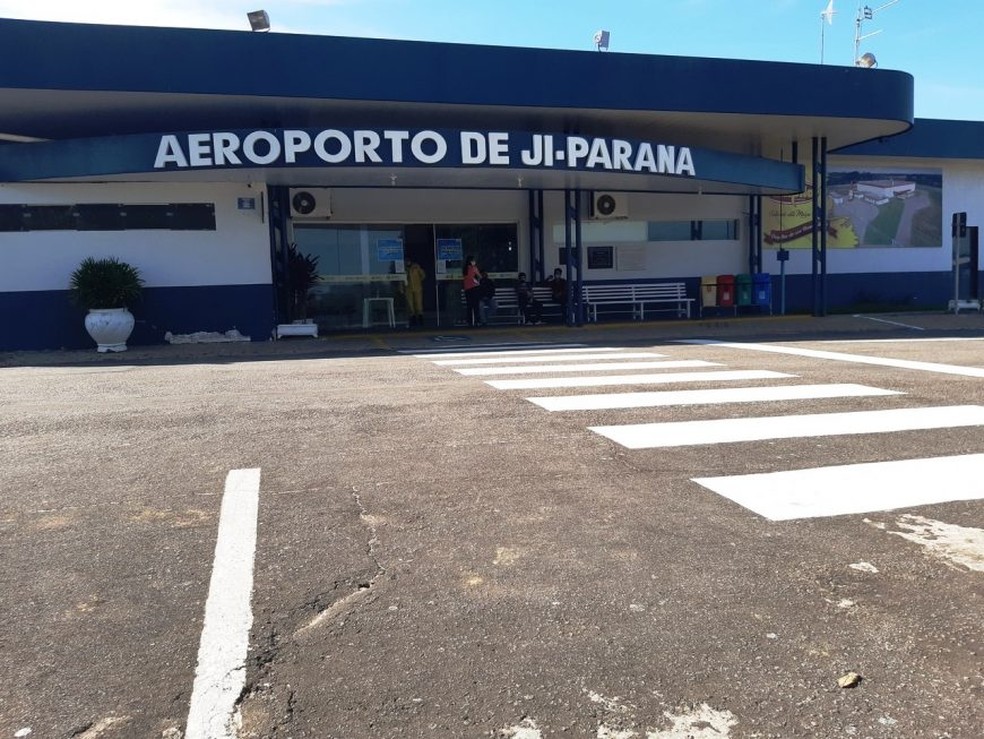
point(470, 281)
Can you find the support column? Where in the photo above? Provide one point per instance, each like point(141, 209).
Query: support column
point(815, 231)
point(536, 236)
point(824, 226)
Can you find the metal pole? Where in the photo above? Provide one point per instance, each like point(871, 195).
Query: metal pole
point(822, 197)
point(567, 256)
point(579, 259)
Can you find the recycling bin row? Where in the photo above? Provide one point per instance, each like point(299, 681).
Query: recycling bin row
point(731, 291)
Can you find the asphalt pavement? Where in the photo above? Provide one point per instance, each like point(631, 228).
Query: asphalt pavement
point(446, 546)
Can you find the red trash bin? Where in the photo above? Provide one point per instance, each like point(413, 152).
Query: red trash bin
point(726, 291)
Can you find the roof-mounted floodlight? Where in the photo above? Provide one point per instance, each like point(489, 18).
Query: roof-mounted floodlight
point(867, 60)
point(258, 20)
point(601, 40)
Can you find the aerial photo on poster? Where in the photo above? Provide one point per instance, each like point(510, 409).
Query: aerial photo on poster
point(869, 208)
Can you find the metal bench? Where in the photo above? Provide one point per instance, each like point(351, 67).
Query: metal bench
point(507, 304)
point(639, 297)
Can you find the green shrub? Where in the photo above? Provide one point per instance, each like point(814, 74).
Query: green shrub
point(105, 283)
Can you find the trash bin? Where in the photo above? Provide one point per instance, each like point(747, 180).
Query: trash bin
point(743, 289)
point(708, 291)
point(725, 291)
point(762, 290)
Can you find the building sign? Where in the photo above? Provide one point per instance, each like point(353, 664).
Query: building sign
point(353, 157)
point(427, 148)
point(390, 250)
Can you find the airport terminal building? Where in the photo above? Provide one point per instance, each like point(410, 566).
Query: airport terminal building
point(207, 159)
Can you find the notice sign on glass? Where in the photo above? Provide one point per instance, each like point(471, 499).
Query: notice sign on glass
point(389, 250)
point(449, 249)
point(601, 257)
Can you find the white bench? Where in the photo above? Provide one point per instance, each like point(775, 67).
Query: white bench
point(639, 296)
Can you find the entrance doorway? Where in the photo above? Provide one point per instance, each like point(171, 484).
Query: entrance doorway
point(362, 269)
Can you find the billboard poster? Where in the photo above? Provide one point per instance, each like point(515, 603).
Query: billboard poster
point(866, 208)
point(885, 208)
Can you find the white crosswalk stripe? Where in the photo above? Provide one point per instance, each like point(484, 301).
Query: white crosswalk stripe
point(689, 433)
point(545, 383)
point(855, 488)
point(473, 350)
point(664, 398)
point(548, 358)
point(594, 367)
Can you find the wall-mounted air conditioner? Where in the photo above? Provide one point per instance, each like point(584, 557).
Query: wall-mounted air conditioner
point(609, 205)
point(310, 203)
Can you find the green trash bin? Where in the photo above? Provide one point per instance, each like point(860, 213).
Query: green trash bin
point(743, 289)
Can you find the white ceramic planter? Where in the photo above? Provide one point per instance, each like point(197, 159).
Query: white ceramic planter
point(109, 328)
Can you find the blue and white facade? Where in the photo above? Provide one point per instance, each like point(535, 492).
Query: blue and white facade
point(200, 157)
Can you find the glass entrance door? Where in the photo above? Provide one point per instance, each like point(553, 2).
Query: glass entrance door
point(362, 270)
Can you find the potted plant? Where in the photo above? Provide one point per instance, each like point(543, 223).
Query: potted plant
point(302, 273)
point(106, 288)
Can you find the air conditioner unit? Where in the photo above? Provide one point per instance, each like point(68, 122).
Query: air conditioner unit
point(310, 203)
point(609, 205)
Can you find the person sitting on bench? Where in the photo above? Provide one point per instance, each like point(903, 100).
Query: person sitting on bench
point(530, 309)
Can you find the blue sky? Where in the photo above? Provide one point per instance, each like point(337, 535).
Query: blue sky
point(934, 41)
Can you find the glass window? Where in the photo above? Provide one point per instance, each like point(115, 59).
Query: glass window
point(11, 217)
point(49, 217)
point(719, 230)
point(494, 246)
point(670, 231)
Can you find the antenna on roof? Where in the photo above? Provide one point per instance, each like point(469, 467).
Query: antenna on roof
point(601, 40)
point(826, 15)
point(865, 13)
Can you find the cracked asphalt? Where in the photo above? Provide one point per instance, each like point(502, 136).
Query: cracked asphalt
point(439, 558)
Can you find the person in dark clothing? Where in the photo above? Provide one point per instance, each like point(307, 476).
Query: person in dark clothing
point(558, 287)
point(530, 309)
point(486, 294)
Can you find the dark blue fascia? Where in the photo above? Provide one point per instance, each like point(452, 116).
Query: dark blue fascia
point(62, 56)
point(928, 138)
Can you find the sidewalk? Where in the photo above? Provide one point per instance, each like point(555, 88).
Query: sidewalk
point(742, 328)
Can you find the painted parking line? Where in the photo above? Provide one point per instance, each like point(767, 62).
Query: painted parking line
point(662, 398)
point(549, 358)
point(589, 367)
point(728, 430)
point(855, 488)
point(546, 383)
point(944, 369)
point(221, 671)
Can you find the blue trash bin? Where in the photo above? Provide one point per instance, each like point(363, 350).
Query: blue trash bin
point(762, 290)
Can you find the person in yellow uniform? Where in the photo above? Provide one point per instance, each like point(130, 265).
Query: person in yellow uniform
point(415, 293)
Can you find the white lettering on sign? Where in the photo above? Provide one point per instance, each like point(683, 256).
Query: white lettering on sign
point(375, 146)
point(170, 152)
point(343, 146)
point(269, 141)
point(224, 146)
point(366, 143)
point(473, 148)
point(498, 148)
point(199, 150)
point(295, 142)
point(396, 139)
point(435, 139)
